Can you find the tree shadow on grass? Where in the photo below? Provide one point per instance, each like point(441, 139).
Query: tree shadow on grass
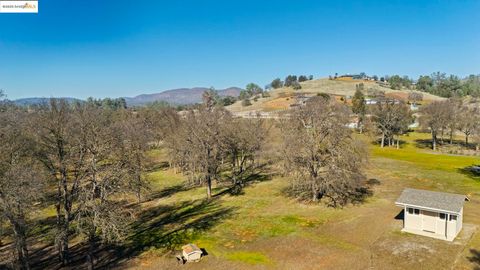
point(164, 227)
point(475, 258)
point(359, 195)
point(168, 228)
point(248, 179)
point(40, 239)
point(472, 172)
point(42, 230)
point(378, 142)
point(338, 200)
point(425, 143)
point(167, 192)
point(161, 166)
point(373, 182)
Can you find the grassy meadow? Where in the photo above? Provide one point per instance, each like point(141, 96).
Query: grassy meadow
point(264, 229)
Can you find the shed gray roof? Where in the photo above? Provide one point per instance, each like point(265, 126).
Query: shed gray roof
point(448, 202)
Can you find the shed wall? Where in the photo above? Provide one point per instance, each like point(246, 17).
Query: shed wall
point(413, 221)
point(460, 221)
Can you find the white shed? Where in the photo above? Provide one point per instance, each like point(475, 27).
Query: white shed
point(434, 214)
point(191, 252)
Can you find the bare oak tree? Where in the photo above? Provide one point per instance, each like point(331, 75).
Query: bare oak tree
point(415, 97)
point(136, 136)
point(452, 108)
point(468, 121)
point(434, 118)
point(20, 180)
point(198, 147)
point(60, 149)
point(243, 139)
point(320, 152)
point(106, 176)
point(391, 118)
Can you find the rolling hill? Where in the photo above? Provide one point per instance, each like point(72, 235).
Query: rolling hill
point(281, 98)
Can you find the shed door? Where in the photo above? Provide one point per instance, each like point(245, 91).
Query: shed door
point(429, 220)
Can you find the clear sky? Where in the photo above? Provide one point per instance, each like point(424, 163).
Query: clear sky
point(84, 48)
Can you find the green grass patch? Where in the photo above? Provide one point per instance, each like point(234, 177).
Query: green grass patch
point(263, 212)
point(424, 158)
point(299, 221)
point(251, 258)
point(165, 178)
point(431, 161)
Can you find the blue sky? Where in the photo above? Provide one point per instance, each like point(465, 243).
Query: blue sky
point(118, 48)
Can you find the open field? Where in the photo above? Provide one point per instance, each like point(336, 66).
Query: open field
point(277, 99)
point(262, 229)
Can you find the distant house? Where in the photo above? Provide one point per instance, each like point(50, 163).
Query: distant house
point(352, 125)
point(434, 214)
point(415, 124)
point(302, 99)
point(370, 101)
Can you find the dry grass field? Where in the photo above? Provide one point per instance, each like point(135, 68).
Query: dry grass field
point(264, 229)
point(277, 99)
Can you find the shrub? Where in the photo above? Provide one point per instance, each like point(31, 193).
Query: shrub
point(246, 102)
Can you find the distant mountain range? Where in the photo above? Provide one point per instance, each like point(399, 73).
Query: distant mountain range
point(40, 100)
point(179, 96)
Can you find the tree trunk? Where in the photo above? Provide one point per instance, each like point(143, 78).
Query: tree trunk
point(209, 187)
point(383, 140)
point(139, 194)
point(234, 169)
point(138, 172)
point(91, 251)
point(138, 190)
point(398, 142)
point(359, 125)
point(59, 225)
point(466, 141)
point(21, 250)
point(315, 194)
point(434, 141)
point(64, 241)
point(63, 217)
point(66, 224)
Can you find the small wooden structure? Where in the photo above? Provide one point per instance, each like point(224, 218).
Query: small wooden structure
point(191, 253)
point(434, 214)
